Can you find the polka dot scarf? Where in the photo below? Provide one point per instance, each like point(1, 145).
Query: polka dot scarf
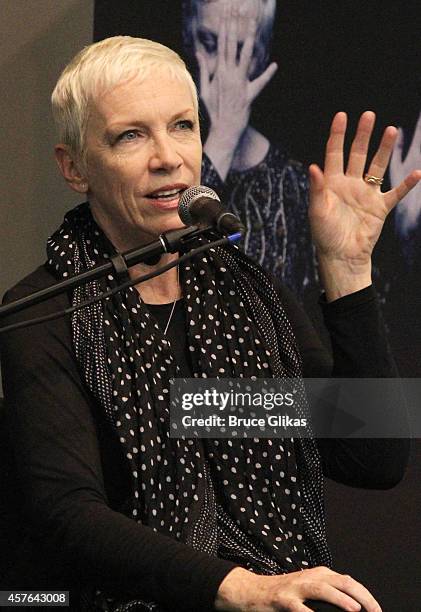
point(255, 501)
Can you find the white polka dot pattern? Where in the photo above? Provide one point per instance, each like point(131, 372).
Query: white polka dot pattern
point(239, 499)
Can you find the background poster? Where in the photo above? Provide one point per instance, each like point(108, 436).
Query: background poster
point(331, 56)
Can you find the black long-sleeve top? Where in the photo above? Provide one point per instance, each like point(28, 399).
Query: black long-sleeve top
point(70, 477)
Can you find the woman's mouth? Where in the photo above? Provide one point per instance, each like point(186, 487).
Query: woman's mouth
point(165, 198)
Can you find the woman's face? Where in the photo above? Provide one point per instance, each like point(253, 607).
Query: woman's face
point(207, 24)
point(143, 149)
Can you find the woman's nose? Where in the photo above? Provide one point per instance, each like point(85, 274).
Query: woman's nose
point(164, 154)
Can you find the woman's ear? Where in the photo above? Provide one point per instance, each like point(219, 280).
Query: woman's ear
point(70, 168)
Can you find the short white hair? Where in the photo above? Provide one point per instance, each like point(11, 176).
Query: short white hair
point(99, 67)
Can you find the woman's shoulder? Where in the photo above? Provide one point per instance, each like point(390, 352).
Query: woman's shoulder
point(276, 160)
point(38, 279)
point(279, 157)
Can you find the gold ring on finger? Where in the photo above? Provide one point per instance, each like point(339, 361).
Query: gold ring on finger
point(373, 180)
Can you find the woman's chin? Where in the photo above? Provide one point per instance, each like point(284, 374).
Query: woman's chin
point(166, 224)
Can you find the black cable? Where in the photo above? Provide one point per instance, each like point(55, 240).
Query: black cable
point(111, 292)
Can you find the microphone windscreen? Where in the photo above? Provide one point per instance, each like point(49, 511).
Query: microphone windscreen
point(189, 197)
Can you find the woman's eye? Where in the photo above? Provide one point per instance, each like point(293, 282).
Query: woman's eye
point(185, 124)
point(208, 40)
point(129, 135)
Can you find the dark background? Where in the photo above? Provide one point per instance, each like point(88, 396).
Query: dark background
point(342, 55)
point(352, 56)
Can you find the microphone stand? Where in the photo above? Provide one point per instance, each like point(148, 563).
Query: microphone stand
point(168, 242)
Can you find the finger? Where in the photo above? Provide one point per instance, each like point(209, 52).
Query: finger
point(316, 178)
point(248, 46)
point(321, 591)
point(334, 158)
point(381, 159)
point(317, 207)
point(392, 197)
point(357, 591)
point(359, 147)
point(256, 86)
point(232, 35)
point(203, 74)
point(396, 159)
point(222, 35)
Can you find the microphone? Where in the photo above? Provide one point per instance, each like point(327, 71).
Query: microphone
point(200, 205)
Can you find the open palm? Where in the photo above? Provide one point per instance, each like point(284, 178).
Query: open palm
point(346, 212)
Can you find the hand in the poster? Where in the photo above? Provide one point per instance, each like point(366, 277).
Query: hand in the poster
point(408, 210)
point(347, 213)
point(243, 590)
point(227, 92)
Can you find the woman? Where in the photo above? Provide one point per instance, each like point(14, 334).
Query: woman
point(407, 214)
point(230, 44)
point(112, 507)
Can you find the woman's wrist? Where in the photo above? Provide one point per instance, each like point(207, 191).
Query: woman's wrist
point(232, 592)
point(220, 153)
point(341, 278)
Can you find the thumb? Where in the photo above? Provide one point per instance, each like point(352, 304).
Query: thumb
point(317, 183)
point(317, 180)
point(256, 86)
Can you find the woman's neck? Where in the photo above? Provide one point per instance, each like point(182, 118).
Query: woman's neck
point(161, 289)
point(250, 151)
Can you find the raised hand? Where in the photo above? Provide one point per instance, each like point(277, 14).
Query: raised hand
point(347, 213)
point(408, 211)
point(225, 87)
